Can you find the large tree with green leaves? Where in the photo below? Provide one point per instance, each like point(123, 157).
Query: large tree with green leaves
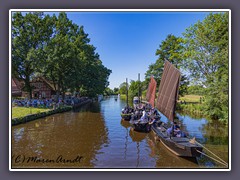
point(135, 88)
point(59, 50)
point(170, 49)
point(123, 88)
point(206, 58)
point(92, 74)
point(30, 34)
point(60, 61)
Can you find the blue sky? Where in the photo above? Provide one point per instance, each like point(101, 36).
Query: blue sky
point(127, 41)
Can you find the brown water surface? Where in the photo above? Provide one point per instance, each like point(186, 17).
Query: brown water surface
point(96, 137)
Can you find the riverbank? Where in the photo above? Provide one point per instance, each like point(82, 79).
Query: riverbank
point(193, 104)
point(18, 112)
point(98, 127)
point(30, 114)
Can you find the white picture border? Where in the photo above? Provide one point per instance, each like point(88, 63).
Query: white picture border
point(115, 10)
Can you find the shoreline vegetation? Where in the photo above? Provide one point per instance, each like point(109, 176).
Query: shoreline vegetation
point(192, 104)
point(204, 56)
point(22, 115)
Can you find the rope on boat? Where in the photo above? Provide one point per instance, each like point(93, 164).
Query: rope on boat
point(221, 161)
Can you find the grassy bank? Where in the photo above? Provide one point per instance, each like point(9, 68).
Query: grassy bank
point(192, 104)
point(189, 103)
point(190, 98)
point(18, 112)
point(123, 96)
point(25, 116)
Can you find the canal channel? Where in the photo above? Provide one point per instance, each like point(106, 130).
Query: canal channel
point(94, 136)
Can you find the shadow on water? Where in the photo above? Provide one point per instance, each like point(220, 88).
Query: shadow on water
point(137, 136)
point(125, 124)
point(68, 135)
point(165, 158)
point(212, 134)
point(93, 107)
point(96, 132)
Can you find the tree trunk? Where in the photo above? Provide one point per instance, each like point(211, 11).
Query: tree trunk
point(63, 95)
point(57, 96)
point(28, 87)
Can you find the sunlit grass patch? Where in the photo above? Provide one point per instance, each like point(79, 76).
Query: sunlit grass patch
point(191, 98)
point(24, 111)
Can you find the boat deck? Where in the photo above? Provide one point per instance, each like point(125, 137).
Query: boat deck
point(181, 141)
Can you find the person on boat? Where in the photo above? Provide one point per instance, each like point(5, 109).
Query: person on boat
point(153, 120)
point(125, 110)
point(177, 132)
point(148, 106)
point(143, 117)
point(174, 129)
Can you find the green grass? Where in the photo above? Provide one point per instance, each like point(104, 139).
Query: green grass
point(23, 111)
point(191, 98)
point(192, 105)
point(123, 96)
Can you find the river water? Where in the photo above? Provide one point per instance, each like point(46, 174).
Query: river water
point(94, 136)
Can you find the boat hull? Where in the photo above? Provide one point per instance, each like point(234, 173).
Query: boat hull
point(141, 127)
point(126, 117)
point(180, 146)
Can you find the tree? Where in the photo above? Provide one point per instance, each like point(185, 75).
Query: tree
point(123, 88)
point(60, 52)
point(205, 45)
point(115, 90)
point(107, 91)
point(30, 34)
point(206, 53)
point(196, 89)
point(170, 49)
point(134, 88)
point(72, 62)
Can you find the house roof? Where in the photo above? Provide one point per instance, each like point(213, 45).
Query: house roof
point(43, 79)
point(16, 87)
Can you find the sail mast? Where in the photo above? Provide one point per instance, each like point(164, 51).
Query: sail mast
point(127, 90)
point(139, 88)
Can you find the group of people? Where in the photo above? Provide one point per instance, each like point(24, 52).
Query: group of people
point(127, 110)
point(47, 102)
point(44, 103)
point(175, 131)
point(147, 114)
point(143, 113)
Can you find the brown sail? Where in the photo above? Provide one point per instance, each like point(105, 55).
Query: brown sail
point(151, 92)
point(168, 90)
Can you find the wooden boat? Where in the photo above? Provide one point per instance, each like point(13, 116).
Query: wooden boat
point(141, 126)
point(126, 117)
point(180, 146)
point(138, 124)
point(166, 104)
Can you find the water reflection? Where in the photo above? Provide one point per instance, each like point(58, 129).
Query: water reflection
point(97, 133)
point(166, 159)
point(18, 133)
point(137, 136)
point(68, 134)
